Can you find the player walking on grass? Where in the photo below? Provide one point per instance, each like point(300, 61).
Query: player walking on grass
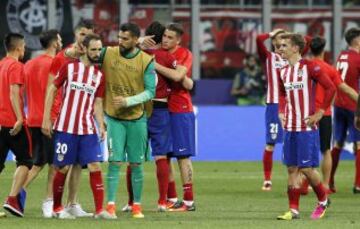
point(317, 46)
point(14, 134)
point(76, 140)
point(348, 65)
point(299, 119)
point(36, 82)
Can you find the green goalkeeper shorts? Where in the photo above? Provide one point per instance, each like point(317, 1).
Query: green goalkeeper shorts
point(127, 140)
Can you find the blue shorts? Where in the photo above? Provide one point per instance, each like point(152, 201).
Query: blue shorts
point(159, 128)
point(76, 149)
point(183, 133)
point(301, 149)
point(274, 130)
point(343, 122)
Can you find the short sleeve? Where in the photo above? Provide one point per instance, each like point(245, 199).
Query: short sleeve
point(17, 75)
point(61, 76)
point(56, 65)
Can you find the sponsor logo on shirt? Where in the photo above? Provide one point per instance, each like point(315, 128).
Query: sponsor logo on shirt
point(294, 86)
point(82, 87)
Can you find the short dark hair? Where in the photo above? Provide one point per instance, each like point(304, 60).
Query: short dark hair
point(317, 45)
point(132, 28)
point(177, 28)
point(295, 39)
point(157, 29)
point(351, 34)
point(11, 41)
point(88, 38)
point(47, 37)
point(88, 24)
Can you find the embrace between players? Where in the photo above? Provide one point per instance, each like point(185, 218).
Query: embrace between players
point(140, 90)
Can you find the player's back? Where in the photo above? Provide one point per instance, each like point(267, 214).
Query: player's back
point(348, 65)
point(11, 72)
point(36, 80)
point(167, 60)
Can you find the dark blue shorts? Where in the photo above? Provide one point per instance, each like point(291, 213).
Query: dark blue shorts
point(183, 133)
point(274, 130)
point(76, 149)
point(159, 128)
point(301, 149)
point(343, 122)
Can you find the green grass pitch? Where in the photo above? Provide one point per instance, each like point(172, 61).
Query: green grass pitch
point(228, 195)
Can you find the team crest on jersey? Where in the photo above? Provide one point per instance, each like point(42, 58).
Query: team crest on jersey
point(60, 157)
point(94, 78)
point(300, 73)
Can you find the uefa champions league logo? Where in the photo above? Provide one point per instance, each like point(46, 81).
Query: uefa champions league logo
point(30, 19)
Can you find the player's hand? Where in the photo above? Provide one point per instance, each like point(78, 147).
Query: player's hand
point(46, 127)
point(102, 133)
point(357, 122)
point(275, 31)
point(147, 42)
point(282, 119)
point(313, 119)
point(16, 128)
point(119, 102)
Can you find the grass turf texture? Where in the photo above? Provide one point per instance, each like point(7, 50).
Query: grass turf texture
point(228, 195)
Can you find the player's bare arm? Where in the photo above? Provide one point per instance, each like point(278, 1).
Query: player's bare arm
point(187, 83)
point(177, 74)
point(46, 127)
point(349, 91)
point(99, 116)
point(15, 103)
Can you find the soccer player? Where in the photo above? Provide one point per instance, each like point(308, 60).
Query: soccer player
point(159, 122)
point(81, 30)
point(132, 83)
point(299, 119)
point(317, 46)
point(271, 61)
point(182, 117)
point(76, 140)
point(348, 65)
point(14, 134)
point(36, 81)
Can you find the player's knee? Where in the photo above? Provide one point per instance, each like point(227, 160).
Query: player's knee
point(27, 163)
point(269, 146)
point(183, 157)
point(94, 167)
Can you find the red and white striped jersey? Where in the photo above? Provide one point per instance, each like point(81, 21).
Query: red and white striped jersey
point(272, 63)
point(297, 93)
point(81, 85)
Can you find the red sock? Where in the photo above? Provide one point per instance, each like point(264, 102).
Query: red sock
point(58, 188)
point(188, 192)
point(320, 192)
point(304, 189)
point(171, 193)
point(129, 186)
point(97, 187)
point(357, 169)
point(162, 173)
point(294, 198)
point(267, 164)
point(335, 155)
